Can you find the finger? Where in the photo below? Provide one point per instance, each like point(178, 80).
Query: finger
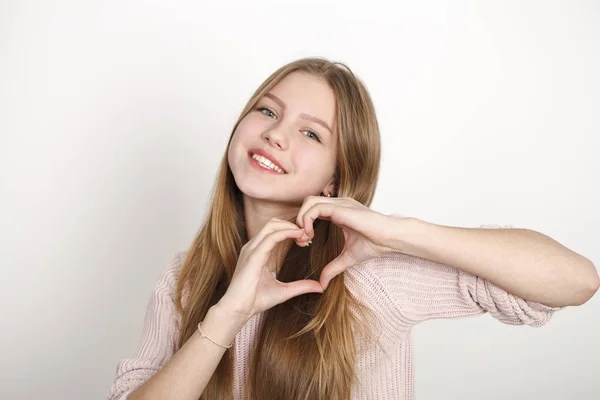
point(309, 201)
point(322, 211)
point(273, 225)
point(263, 249)
point(334, 268)
point(296, 288)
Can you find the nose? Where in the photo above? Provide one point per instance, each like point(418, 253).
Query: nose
point(276, 137)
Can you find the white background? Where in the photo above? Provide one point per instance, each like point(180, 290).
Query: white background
point(115, 114)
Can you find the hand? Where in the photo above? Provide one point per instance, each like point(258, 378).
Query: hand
point(364, 230)
point(254, 288)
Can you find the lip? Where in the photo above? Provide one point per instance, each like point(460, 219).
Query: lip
point(266, 155)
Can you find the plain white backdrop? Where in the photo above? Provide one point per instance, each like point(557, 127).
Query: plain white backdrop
point(114, 116)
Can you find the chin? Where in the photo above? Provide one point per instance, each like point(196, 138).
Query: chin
point(253, 188)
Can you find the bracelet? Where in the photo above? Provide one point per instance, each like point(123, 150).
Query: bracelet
point(202, 334)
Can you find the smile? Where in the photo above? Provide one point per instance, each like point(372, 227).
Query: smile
point(264, 164)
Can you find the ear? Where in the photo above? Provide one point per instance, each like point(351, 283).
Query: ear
point(330, 189)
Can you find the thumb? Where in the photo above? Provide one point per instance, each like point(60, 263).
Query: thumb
point(334, 268)
point(296, 288)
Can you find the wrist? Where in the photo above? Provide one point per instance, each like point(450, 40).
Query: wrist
point(402, 232)
point(234, 317)
point(221, 325)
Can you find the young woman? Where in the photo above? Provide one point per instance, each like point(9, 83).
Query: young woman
point(295, 289)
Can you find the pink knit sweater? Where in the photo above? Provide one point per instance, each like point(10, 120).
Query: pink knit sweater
point(402, 290)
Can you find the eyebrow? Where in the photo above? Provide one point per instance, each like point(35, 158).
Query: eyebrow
point(303, 115)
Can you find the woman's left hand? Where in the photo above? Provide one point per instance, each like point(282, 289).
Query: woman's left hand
point(365, 231)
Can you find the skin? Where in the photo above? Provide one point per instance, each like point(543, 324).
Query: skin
point(524, 262)
point(306, 150)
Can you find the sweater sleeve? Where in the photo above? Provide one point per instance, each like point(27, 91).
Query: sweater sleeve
point(158, 339)
point(419, 289)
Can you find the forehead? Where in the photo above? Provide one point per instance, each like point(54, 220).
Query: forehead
point(305, 93)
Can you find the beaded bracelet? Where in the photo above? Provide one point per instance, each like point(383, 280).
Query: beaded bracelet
point(202, 334)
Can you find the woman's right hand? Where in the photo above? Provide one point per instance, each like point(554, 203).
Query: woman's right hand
point(254, 288)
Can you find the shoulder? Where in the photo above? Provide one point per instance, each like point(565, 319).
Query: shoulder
point(167, 282)
point(173, 267)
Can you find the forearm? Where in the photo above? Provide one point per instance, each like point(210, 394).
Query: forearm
point(525, 263)
point(187, 373)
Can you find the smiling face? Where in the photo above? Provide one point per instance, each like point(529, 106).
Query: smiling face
point(294, 126)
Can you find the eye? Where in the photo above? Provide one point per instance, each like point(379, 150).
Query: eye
point(267, 112)
point(315, 136)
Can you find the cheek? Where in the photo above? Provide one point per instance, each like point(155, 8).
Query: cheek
point(304, 161)
point(250, 126)
point(243, 135)
point(312, 162)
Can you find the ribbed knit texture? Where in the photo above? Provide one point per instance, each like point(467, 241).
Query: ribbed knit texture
point(402, 290)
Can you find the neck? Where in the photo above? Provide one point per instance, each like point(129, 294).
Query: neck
point(257, 212)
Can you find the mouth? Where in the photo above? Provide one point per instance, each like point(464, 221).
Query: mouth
point(264, 164)
point(266, 161)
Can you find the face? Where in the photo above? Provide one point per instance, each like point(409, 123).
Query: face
point(293, 126)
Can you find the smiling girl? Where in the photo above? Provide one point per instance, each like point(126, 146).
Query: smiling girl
point(295, 289)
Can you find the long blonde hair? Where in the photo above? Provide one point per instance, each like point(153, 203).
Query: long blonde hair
point(306, 347)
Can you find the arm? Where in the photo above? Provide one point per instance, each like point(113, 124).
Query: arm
point(407, 290)
point(523, 262)
point(187, 373)
point(158, 369)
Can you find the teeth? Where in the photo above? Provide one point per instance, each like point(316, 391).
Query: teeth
point(266, 163)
